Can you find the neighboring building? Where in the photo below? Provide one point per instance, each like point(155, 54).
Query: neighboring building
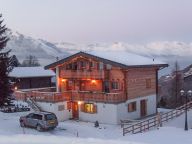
point(103, 86)
point(188, 80)
point(31, 77)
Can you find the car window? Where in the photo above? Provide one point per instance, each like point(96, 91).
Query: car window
point(30, 115)
point(50, 117)
point(37, 116)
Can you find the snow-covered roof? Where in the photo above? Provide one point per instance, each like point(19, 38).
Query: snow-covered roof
point(118, 58)
point(188, 73)
point(125, 58)
point(25, 72)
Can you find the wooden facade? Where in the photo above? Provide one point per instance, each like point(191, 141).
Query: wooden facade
point(85, 77)
point(32, 82)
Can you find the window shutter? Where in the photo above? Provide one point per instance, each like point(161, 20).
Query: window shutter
point(69, 105)
point(94, 108)
point(101, 66)
point(82, 107)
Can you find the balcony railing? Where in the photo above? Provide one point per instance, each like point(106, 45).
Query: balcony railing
point(51, 97)
point(71, 96)
point(83, 74)
point(96, 96)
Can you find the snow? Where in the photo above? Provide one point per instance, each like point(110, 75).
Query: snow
point(66, 133)
point(125, 58)
point(25, 72)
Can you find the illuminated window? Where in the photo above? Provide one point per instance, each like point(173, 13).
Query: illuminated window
point(90, 108)
point(148, 83)
point(132, 107)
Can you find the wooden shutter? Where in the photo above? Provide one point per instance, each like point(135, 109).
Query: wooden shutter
point(94, 108)
point(69, 105)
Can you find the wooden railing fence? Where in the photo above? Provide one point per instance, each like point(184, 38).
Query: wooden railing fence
point(155, 121)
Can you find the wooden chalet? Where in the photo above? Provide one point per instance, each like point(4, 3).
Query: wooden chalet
point(103, 86)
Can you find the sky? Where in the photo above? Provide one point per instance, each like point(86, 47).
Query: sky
point(133, 21)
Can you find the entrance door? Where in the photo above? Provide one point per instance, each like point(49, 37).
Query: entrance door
point(143, 108)
point(75, 110)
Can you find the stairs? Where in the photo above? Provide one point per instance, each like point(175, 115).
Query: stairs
point(33, 105)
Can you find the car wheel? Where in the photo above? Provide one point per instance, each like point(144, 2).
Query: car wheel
point(39, 128)
point(22, 124)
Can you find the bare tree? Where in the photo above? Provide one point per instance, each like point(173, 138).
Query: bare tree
point(30, 61)
point(176, 86)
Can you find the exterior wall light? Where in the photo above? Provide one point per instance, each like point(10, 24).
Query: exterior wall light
point(63, 80)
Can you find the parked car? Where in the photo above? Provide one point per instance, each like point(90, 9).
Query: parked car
point(39, 120)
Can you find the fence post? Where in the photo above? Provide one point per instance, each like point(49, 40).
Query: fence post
point(133, 128)
point(140, 127)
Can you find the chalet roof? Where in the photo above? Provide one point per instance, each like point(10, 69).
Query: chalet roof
point(121, 59)
point(26, 72)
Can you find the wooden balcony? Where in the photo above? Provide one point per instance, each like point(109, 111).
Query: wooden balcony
point(96, 96)
point(71, 96)
point(82, 74)
point(38, 96)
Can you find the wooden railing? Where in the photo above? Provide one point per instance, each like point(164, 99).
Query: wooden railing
point(41, 96)
point(96, 96)
point(71, 95)
point(87, 74)
point(145, 125)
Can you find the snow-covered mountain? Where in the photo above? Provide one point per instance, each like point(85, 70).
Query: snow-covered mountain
point(47, 52)
point(23, 46)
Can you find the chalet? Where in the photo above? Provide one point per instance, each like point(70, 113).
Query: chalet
point(31, 77)
point(103, 86)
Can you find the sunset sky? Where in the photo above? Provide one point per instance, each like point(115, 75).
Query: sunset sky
point(133, 21)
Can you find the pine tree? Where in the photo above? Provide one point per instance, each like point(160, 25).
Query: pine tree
point(15, 61)
point(6, 65)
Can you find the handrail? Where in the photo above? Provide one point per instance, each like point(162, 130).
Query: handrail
point(154, 121)
point(72, 95)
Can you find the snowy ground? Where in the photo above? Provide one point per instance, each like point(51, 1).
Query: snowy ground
point(66, 133)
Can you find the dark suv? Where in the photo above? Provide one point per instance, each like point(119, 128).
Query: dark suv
point(39, 120)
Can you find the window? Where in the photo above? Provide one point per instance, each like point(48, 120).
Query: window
point(91, 64)
point(148, 83)
point(61, 107)
point(37, 116)
point(115, 85)
point(89, 108)
point(50, 117)
point(69, 67)
point(30, 115)
point(132, 107)
point(82, 64)
point(74, 66)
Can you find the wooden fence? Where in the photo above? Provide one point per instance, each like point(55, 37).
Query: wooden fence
point(155, 121)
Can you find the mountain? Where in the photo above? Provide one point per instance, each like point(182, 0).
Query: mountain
point(47, 52)
point(23, 46)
